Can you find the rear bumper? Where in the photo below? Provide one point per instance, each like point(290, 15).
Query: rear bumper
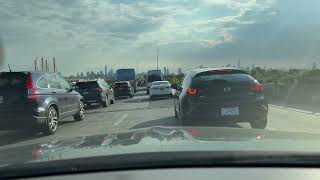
point(21, 120)
point(248, 111)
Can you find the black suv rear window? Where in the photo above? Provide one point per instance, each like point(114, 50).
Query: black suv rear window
point(228, 76)
point(124, 84)
point(87, 85)
point(12, 80)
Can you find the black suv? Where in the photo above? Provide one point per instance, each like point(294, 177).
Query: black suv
point(96, 91)
point(123, 89)
point(37, 101)
point(225, 94)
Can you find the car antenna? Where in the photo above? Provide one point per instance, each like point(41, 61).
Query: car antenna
point(9, 67)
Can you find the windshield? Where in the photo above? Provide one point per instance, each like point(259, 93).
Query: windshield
point(87, 85)
point(154, 77)
point(227, 75)
point(160, 83)
point(123, 84)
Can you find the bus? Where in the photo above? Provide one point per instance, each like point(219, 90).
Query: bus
point(153, 75)
point(127, 75)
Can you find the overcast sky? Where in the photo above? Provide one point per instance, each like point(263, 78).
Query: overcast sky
point(88, 34)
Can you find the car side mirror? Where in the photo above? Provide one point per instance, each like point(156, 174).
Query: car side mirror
point(70, 89)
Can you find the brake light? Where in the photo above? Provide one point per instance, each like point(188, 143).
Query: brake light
point(258, 88)
point(99, 89)
point(32, 93)
point(192, 91)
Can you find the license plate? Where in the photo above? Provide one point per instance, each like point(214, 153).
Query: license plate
point(85, 92)
point(1, 99)
point(230, 111)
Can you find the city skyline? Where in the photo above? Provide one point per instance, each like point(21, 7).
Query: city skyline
point(122, 34)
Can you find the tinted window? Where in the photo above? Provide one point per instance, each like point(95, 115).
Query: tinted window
point(42, 82)
point(160, 83)
point(63, 83)
point(124, 84)
point(226, 77)
point(53, 83)
point(87, 85)
point(12, 80)
point(154, 77)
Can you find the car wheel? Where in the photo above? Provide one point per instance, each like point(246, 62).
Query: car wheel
point(131, 96)
point(80, 115)
point(105, 103)
point(113, 100)
point(259, 123)
point(184, 120)
point(51, 124)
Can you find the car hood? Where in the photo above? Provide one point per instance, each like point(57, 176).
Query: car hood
point(163, 139)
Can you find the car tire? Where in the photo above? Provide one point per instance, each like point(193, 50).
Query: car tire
point(259, 123)
point(105, 103)
point(131, 96)
point(80, 115)
point(113, 100)
point(52, 119)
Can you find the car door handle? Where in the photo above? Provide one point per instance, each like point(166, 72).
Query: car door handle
point(54, 92)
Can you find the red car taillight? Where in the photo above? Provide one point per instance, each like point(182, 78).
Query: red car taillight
point(257, 88)
point(192, 91)
point(32, 92)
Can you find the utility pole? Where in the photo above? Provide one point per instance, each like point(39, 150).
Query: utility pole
point(46, 65)
point(35, 64)
point(157, 59)
point(54, 65)
point(42, 64)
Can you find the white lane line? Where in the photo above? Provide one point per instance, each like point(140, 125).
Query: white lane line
point(293, 109)
point(122, 118)
point(271, 129)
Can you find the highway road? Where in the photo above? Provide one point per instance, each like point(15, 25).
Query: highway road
point(139, 112)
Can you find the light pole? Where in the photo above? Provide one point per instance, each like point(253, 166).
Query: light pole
point(157, 60)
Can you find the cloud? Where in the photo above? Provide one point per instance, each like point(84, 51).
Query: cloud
point(121, 32)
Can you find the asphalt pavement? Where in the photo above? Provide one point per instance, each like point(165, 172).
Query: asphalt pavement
point(140, 112)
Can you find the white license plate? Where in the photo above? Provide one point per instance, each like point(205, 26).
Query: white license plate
point(85, 92)
point(1, 99)
point(230, 111)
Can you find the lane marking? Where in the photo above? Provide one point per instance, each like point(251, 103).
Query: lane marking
point(271, 129)
point(296, 110)
point(122, 118)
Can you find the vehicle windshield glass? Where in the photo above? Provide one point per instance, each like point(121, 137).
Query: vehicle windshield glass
point(87, 85)
point(152, 78)
point(227, 77)
point(12, 80)
point(160, 83)
point(124, 84)
point(87, 78)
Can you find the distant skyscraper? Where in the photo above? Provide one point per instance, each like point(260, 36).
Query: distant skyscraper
point(248, 69)
point(179, 71)
point(165, 71)
point(168, 71)
point(314, 66)
point(239, 63)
